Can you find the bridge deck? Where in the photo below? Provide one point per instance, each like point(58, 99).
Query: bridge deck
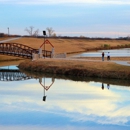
point(20, 50)
point(12, 75)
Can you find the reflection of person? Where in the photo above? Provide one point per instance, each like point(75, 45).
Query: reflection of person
point(103, 56)
point(108, 86)
point(102, 86)
point(108, 56)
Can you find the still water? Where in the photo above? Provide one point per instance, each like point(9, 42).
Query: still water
point(44, 102)
point(113, 53)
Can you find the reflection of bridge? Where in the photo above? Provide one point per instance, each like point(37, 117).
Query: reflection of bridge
point(16, 75)
point(12, 75)
point(20, 50)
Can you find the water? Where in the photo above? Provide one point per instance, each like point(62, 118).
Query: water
point(11, 67)
point(113, 53)
point(38, 102)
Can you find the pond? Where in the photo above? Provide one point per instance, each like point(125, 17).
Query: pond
point(37, 102)
point(113, 53)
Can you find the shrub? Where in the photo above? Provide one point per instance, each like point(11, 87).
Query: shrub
point(106, 46)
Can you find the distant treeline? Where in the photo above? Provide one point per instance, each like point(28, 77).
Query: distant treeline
point(75, 37)
point(6, 35)
point(89, 38)
point(68, 37)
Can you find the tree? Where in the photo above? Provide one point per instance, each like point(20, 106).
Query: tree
point(31, 32)
point(50, 31)
point(54, 34)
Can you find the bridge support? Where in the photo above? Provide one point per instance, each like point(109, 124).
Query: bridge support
point(35, 56)
point(40, 53)
point(52, 53)
point(19, 50)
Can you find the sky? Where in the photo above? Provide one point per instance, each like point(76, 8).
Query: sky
point(89, 18)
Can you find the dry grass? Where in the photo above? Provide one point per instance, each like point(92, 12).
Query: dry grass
point(70, 45)
point(76, 68)
point(83, 64)
point(8, 58)
point(105, 59)
point(8, 63)
point(3, 38)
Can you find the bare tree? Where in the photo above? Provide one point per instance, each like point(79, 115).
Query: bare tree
point(54, 35)
point(50, 31)
point(31, 32)
point(36, 32)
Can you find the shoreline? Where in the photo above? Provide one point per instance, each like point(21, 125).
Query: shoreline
point(105, 58)
point(75, 68)
point(74, 78)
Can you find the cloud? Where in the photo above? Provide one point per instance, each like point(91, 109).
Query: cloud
point(94, 105)
point(95, 33)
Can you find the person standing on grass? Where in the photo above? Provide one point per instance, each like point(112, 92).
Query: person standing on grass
point(103, 56)
point(108, 56)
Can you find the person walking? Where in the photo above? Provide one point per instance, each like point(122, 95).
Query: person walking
point(103, 56)
point(108, 56)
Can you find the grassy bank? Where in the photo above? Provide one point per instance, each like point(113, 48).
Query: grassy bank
point(70, 46)
point(37, 75)
point(4, 58)
point(105, 58)
point(76, 68)
point(9, 63)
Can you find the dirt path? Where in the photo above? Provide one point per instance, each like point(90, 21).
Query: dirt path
point(122, 61)
point(7, 40)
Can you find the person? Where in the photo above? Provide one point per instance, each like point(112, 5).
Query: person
point(102, 86)
point(103, 56)
point(108, 86)
point(108, 56)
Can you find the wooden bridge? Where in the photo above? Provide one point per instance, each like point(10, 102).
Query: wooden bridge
point(13, 75)
point(20, 50)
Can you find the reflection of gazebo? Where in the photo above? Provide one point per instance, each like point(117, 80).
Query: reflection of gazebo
point(46, 88)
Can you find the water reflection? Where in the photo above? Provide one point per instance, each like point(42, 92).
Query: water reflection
point(13, 74)
point(46, 88)
point(72, 103)
point(125, 52)
point(108, 86)
point(102, 86)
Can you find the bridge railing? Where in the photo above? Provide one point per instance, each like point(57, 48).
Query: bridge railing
point(19, 50)
point(46, 53)
point(13, 75)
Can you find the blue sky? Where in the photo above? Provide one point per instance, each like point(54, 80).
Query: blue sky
point(92, 18)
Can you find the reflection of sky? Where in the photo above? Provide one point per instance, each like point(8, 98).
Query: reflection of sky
point(9, 67)
point(69, 105)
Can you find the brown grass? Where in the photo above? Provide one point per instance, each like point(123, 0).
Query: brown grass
point(8, 63)
point(82, 64)
point(76, 68)
point(4, 38)
point(105, 59)
point(8, 58)
point(70, 45)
